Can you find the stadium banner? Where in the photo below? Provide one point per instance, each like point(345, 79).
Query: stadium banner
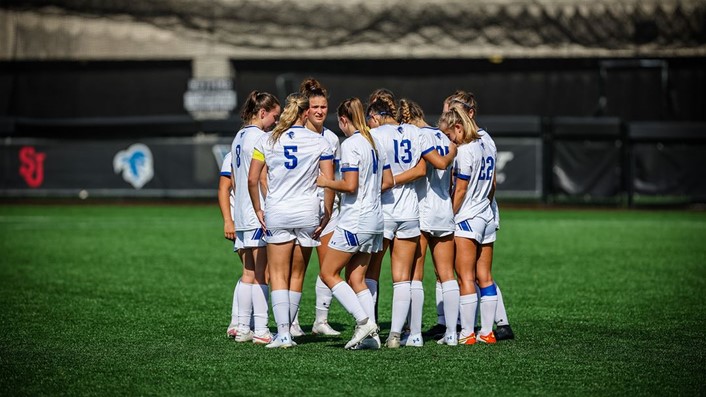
point(149, 167)
point(519, 167)
point(590, 169)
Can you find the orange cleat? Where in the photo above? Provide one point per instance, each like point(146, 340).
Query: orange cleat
point(467, 340)
point(490, 338)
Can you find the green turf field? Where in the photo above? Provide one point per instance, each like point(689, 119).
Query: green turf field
point(135, 300)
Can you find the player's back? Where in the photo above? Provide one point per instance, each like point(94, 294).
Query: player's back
point(241, 151)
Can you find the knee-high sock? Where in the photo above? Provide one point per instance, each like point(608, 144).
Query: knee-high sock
point(468, 313)
point(260, 292)
point(439, 295)
point(416, 308)
point(323, 300)
point(234, 307)
point(280, 309)
point(373, 287)
point(451, 295)
point(294, 298)
point(401, 292)
point(366, 301)
point(346, 296)
point(488, 304)
point(244, 306)
point(500, 313)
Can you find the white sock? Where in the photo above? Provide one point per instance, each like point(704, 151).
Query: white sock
point(294, 298)
point(468, 305)
point(260, 292)
point(373, 287)
point(500, 313)
point(280, 309)
point(416, 308)
point(323, 301)
point(366, 301)
point(401, 292)
point(440, 319)
point(451, 304)
point(346, 296)
point(488, 305)
point(244, 306)
point(234, 307)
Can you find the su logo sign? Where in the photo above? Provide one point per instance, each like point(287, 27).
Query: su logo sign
point(32, 166)
point(135, 164)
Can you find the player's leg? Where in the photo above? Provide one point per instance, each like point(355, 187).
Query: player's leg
point(355, 276)
point(372, 273)
point(442, 251)
point(260, 297)
point(401, 258)
point(488, 293)
point(414, 319)
point(465, 263)
point(279, 258)
point(323, 295)
point(300, 261)
point(245, 296)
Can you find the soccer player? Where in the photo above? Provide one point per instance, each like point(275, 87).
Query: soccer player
point(318, 110)
point(294, 156)
point(466, 101)
point(360, 225)
point(259, 113)
point(404, 150)
point(473, 190)
point(225, 203)
point(436, 221)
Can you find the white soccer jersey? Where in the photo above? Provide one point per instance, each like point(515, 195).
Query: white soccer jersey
point(227, 172)
point(403, 147)
point(488, 140)
point(292, 169)
point(361, 212)
point(241, 152)
point(435, 206)
point(475, 162)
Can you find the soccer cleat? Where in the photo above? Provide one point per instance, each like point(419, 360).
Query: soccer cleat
point(489, 339)
point(361, 332)
point(393, 342)
point(449, 339)
point(370, 343)
point(281, 341)
point(415, 340)
point(323, 328)
point(504, 332)
point(244, 336)
point(403, 338)
point(232, 332)
point(295, 330)
point(262, 338)
point(467, 340)
point(437, 331)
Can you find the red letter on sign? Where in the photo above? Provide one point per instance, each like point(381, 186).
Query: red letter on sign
point(32, 167)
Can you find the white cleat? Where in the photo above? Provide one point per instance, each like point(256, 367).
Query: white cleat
point(295, 330)
point(262, 338)
point(232, 332)
point(415, 340)
point(323, 328)
point(244, 336)
point(449, 339)
point(361, 332)
point(393, 342)
point(281, 341)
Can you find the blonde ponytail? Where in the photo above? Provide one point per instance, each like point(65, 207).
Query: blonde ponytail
point(296, 105)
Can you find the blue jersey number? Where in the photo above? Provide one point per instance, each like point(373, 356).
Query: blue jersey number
point(375, 162)
point(442, 150)
point(486, 172)
point(292, 163)
point(237, 156)
point(405, 146)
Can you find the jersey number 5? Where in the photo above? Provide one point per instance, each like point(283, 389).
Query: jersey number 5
point(292, 163)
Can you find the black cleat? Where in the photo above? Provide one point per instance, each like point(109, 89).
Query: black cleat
point(504, 332)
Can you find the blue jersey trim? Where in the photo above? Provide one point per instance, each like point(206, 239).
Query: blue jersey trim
point(428, 150)
point(386, 167)
point(225, 174)
point(464, 177)
point(323, 158)
point(349, 169)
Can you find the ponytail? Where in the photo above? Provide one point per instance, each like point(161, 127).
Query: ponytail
point(296, 105)
point(257, 100)
point(409, 112)
point(456, 116)
point(352, 109)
